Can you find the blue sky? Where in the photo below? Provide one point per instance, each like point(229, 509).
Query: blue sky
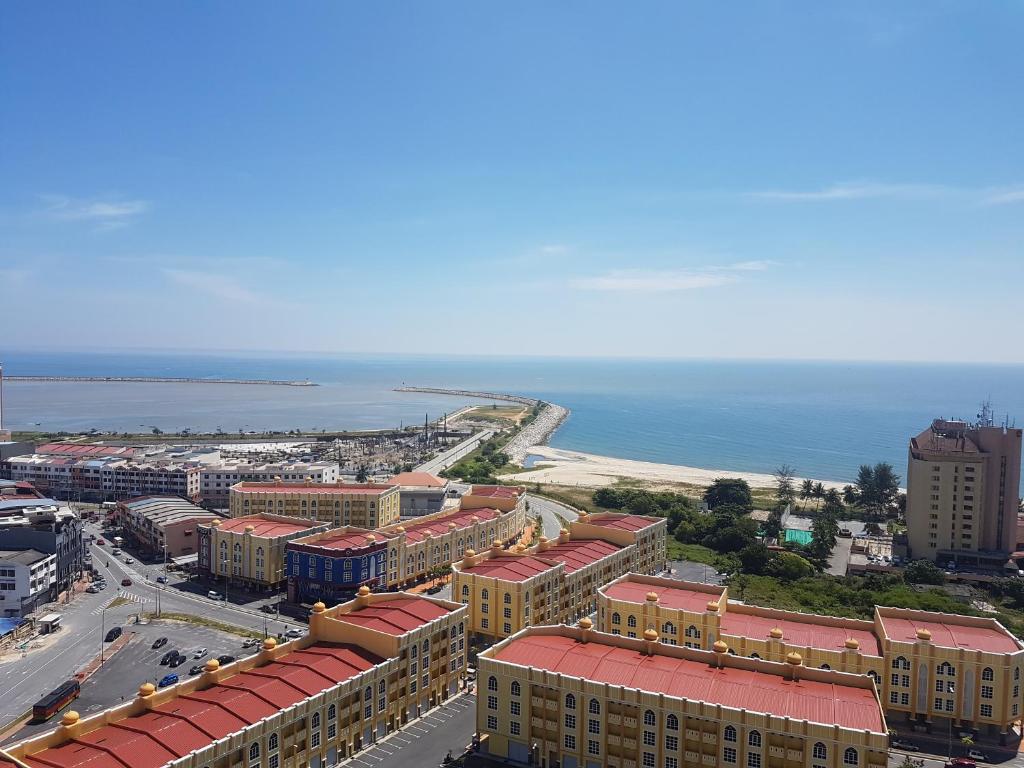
point(793, 180)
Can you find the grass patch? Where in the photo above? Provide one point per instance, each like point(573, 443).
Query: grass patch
point(205, 622)
point(503, 414)
point(117, 601)
point(695, 553)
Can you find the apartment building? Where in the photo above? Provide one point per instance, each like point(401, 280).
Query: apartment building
point(217, 478)
point(28, 578)
point(363, 505)
point(421, 493)
point(166, 525)
point(552, 582)
point(250, 550)
point(365, 669)
point(646, 534)
point(962, 489)
point(332, 565)
point(929, 668)
point(573, 697)
point(46, 525)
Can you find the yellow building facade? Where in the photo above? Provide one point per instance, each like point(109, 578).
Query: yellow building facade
point(365, 505)
point(928, 667)
point(577, 698)
point(369, 667)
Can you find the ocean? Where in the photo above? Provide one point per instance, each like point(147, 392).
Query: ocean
point(822, 418)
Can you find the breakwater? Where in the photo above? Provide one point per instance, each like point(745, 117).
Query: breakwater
point(470, 393)
point(162, 380)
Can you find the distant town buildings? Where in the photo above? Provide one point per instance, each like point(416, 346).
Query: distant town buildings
point(27, 579)
point(962, 492)
point(365, 669)
point(365, 505)
point(30, 521)
point(250, 550)
point(571, 696)
point(163, 525)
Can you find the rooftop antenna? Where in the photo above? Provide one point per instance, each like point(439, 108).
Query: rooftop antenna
point(985, 418)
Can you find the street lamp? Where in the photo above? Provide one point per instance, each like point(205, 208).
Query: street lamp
point(103, 630)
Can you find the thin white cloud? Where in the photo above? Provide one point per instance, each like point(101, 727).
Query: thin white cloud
point(857, 190)
point(668, 280)
point(1005, 196)
point(218, 286)
point(110, 213)
point(554, 249)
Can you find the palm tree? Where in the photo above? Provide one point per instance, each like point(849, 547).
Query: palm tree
point(849, 495)
point(806, 490)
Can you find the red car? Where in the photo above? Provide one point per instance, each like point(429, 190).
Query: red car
point(126, 582)
point(100, 542)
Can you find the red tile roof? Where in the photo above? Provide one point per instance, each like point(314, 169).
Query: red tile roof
point(195, 720)
point(627, 523)
point(418, 478)
point(320, 488)
point(825, 703)
point(578, 553)
point(347, 540)
point(463, 518)
point(949, 635)
point(802, 633)
point(679, 598)
point(72, 449)
point(395, 616)
point(494, 491)
point(262, 527)
point(509, 567)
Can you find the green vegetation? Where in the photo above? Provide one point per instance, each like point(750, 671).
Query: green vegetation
point(923, 572)
point(729, 490)
point(482, 465)
point(188, 618)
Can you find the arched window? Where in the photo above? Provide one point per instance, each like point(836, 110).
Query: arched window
point(820, 753)
point(382, 687)
point(648, 717)
point(332, 712)
point(492, 683)
point(462, 627)
point(672, 722)
point(900, 663)
point(453, 632)
point(754, 739)
point(668, 628)
point(223, 545)
point(692, 631)
point(730, 733)
point(570, 701)
point(314, 721)
point(254, 751)
point(465, 590)
point(508, 599)
point(238, 547)
point(616, 618)
point(850, 756)
point(368, 693)
point(987, 674)
point(595, 707)
point(272, 742)
point(414, 651)
point(754, 656)
point(874, 676)
point(631, 621)
point(484, 594)
point(515, 688)
point(825, 666)
point(426, 646)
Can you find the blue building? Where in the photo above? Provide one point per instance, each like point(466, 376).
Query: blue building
point(332, 566)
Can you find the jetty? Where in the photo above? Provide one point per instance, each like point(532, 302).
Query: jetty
point(162, 380)
point(470, 393)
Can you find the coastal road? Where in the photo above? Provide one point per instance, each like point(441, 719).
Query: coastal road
point(452, 455)
point(550, 511)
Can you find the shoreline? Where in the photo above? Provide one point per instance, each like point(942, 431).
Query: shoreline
point(564, 467)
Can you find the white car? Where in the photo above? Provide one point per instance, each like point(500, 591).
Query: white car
point(977, 754)
point(129, 560)
point(294, 633)
point(214, 595)
point(199, 653)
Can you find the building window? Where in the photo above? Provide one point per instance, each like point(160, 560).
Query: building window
point(900, 663)
point(492, 683)
point(729, 755)
point(648, 760)
point(492, 702)
point(314, 740)
point(492, 723)
point(987, 674)
point(986, 710)
point(616, 618)
point(649, 717)
point(649, 738)
point(595, 707)
point(254, 751)
point(754, 739)
point(850, 756)
point(593, 747)
point(893, 697)
point(730, 733)
point(570, 721)
point(332, 731)
point(515, 688)
point(671, 762)
point(515, 708)
point(631, 621)
point(819, 752)
point(672, 722)
point(570, 741)
point(986, 691)
point(672, 743)
point(513, 728)
point(753, 760)
point(570, 701)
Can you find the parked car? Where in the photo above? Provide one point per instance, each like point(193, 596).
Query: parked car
point(214, 595)
point(977, 754)
point(161, 579)
point(225, 659)
point(113, 634)
point(117, 551)
point(167, 680)
point(100, 542)
point(129, 560)
point(907, 746)
point(92, 589)
point(196, 670)
point(961, 762)
point(199, 653)
point(249, 642)
point(268, 609)
point(166, 658)
point(160, 642)
point(294, 633)
point(178, 660)
point(126, 582)
point(845, 533)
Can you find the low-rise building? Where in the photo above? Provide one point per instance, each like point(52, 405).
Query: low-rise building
point(46, 525)
point(28, 578)
point(928, 667)
point(364, 505)
point(218, 477)
point(502, 497)
point(250, 550)
point(166, 525)
point(574, 697)
point(365, 669)
point(421, 493)
point(332, 565)
point(646, 534)
point(552, 582)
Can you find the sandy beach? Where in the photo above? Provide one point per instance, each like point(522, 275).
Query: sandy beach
point(589, 470)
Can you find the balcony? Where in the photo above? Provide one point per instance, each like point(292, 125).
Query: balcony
point(709, 738)
point(614, 719)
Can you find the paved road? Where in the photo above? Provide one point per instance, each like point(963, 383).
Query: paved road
point(425, 742)
point(452, 455)
point(549, 511)
point(23, 679)
point(687, 570)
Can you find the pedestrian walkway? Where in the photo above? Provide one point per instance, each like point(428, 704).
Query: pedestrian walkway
point(123, 594)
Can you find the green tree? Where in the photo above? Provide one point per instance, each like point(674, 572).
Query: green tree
point(785, 493)
point(754, 558)
point(790, 567)
point(923, 572)
point(729, 490)
point(362, 474)
point(806, 490)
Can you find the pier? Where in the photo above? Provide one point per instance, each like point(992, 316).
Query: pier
point(161, 380)
point(470, 393)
